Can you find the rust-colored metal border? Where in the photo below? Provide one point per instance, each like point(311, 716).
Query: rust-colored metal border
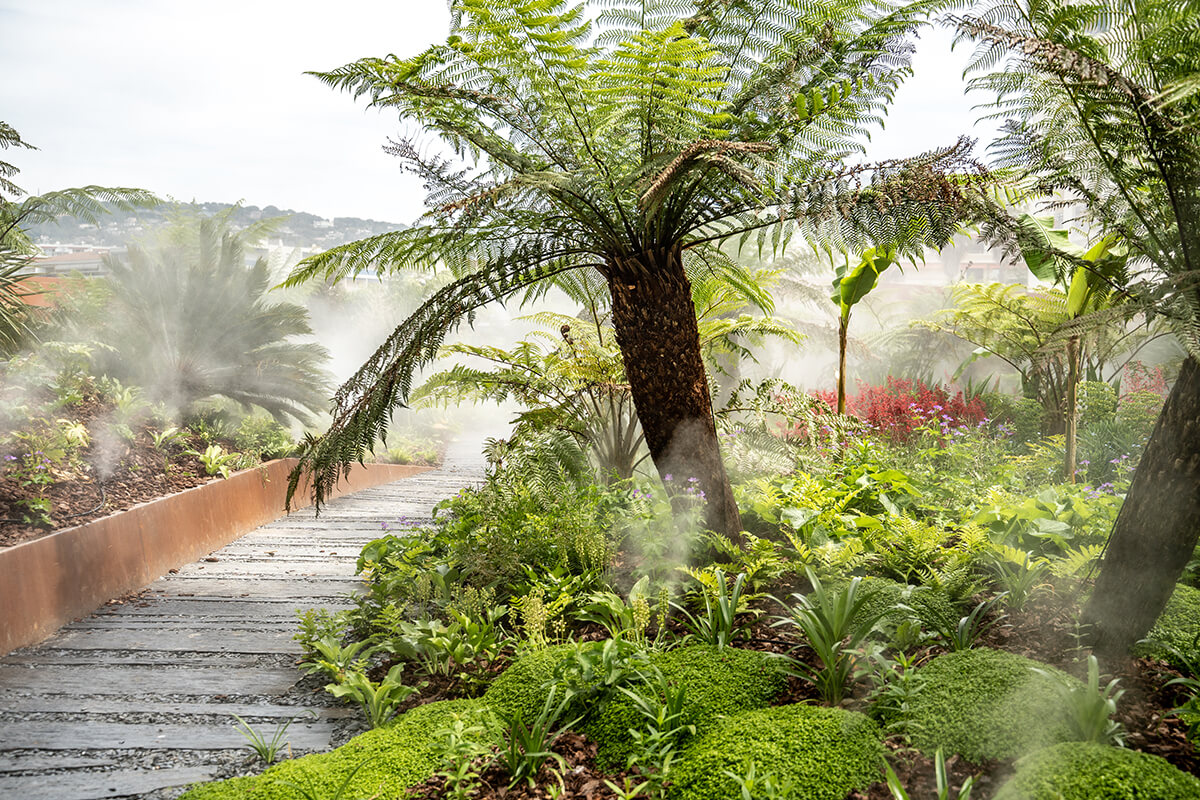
point(52, 580)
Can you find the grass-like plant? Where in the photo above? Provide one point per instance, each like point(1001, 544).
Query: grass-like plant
point(965, 633)
point(527, 745)
point(1020, 580)
point(834, 625)
point(1088, 709)
point(943, 784)
point(377, 700)
point(264, 748)
point(718, 624)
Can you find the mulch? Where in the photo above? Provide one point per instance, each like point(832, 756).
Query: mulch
point(577, 779)
point(136, 475)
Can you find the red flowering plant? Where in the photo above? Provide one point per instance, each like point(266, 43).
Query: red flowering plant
point(1140, 378)
point(901, 409)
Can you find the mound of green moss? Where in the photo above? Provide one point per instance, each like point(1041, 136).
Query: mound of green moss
point(1177, 627)
point(388, 761)
point(523, 686)
point(984, 704)
point(823, 753)
point(716, 682)
point(884, 596)
point(1086, 771)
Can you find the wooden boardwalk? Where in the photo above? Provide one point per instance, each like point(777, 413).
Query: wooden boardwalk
point(137, 699)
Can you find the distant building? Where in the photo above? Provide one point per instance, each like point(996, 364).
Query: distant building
point(89, 262)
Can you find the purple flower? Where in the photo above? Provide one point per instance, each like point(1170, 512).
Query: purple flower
point(668, 477)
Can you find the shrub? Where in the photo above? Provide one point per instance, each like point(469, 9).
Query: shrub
point(716, 683)
point(986, 704)
point(1177, 629)
point(1085, 771)
point(900, 407)
point(522, 687)
point(824, 753)
point(388, 761)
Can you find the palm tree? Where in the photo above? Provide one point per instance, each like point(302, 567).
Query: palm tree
point(631, 147)
point(191, 321)
point(1104, 109)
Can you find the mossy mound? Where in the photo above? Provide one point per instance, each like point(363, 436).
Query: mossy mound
point(716, 682)
point(823, 753)
point(884, 596)
point(1086, 771)
point(522, 688)
point(984, 704)
point(388, 761)
point(1177, 627)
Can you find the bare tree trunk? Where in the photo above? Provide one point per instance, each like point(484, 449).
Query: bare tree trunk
point(1072, 432)
point(843, 325)
point(1156, 529)
point(655, 323)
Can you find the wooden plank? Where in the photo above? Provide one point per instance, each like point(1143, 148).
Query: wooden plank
point(97, 785)
point(276, 588)
point(146, 680)
point(41, 735)
point(62, 704)
point(249, 607)
point(173, 640)
point(45, 762)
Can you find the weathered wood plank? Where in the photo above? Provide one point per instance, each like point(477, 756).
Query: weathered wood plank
point(222, 638)
point(97, 785)
point(65, 704)
point(41, 735)
point(41, 761)
point(53, 679)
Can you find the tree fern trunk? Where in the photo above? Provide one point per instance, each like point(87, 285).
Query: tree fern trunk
point(1157, 527)
point(656, 329)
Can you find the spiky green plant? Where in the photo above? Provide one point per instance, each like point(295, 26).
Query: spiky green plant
point(628, 139)
point(192, 322)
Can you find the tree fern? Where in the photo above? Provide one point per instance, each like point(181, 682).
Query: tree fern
point(625, 139)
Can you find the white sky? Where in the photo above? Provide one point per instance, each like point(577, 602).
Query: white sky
point(208, 101)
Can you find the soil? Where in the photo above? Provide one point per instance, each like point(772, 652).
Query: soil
point(576, 778)
point(82, 491)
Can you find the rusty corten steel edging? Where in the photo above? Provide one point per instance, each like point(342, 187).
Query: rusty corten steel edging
point(52, 580)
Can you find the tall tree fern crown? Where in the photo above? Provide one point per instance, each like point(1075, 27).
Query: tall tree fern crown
point(1101, 103)
point(605, 136)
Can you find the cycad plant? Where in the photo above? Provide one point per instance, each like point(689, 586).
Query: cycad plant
point(628, 139)
point(193, 322)
point(1103, 106)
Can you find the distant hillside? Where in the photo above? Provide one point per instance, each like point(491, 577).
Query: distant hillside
point(300, 229)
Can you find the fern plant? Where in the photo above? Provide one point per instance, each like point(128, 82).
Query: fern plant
point(627, 139)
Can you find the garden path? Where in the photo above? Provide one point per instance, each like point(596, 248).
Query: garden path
point(136, 700)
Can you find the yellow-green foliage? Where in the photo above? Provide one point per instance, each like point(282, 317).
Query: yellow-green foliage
point(1178, 628)
point(716, 682)
point(986, 704)
point(1086, 771)
point(824, 753)
point(391, 758)
point(522, 687)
